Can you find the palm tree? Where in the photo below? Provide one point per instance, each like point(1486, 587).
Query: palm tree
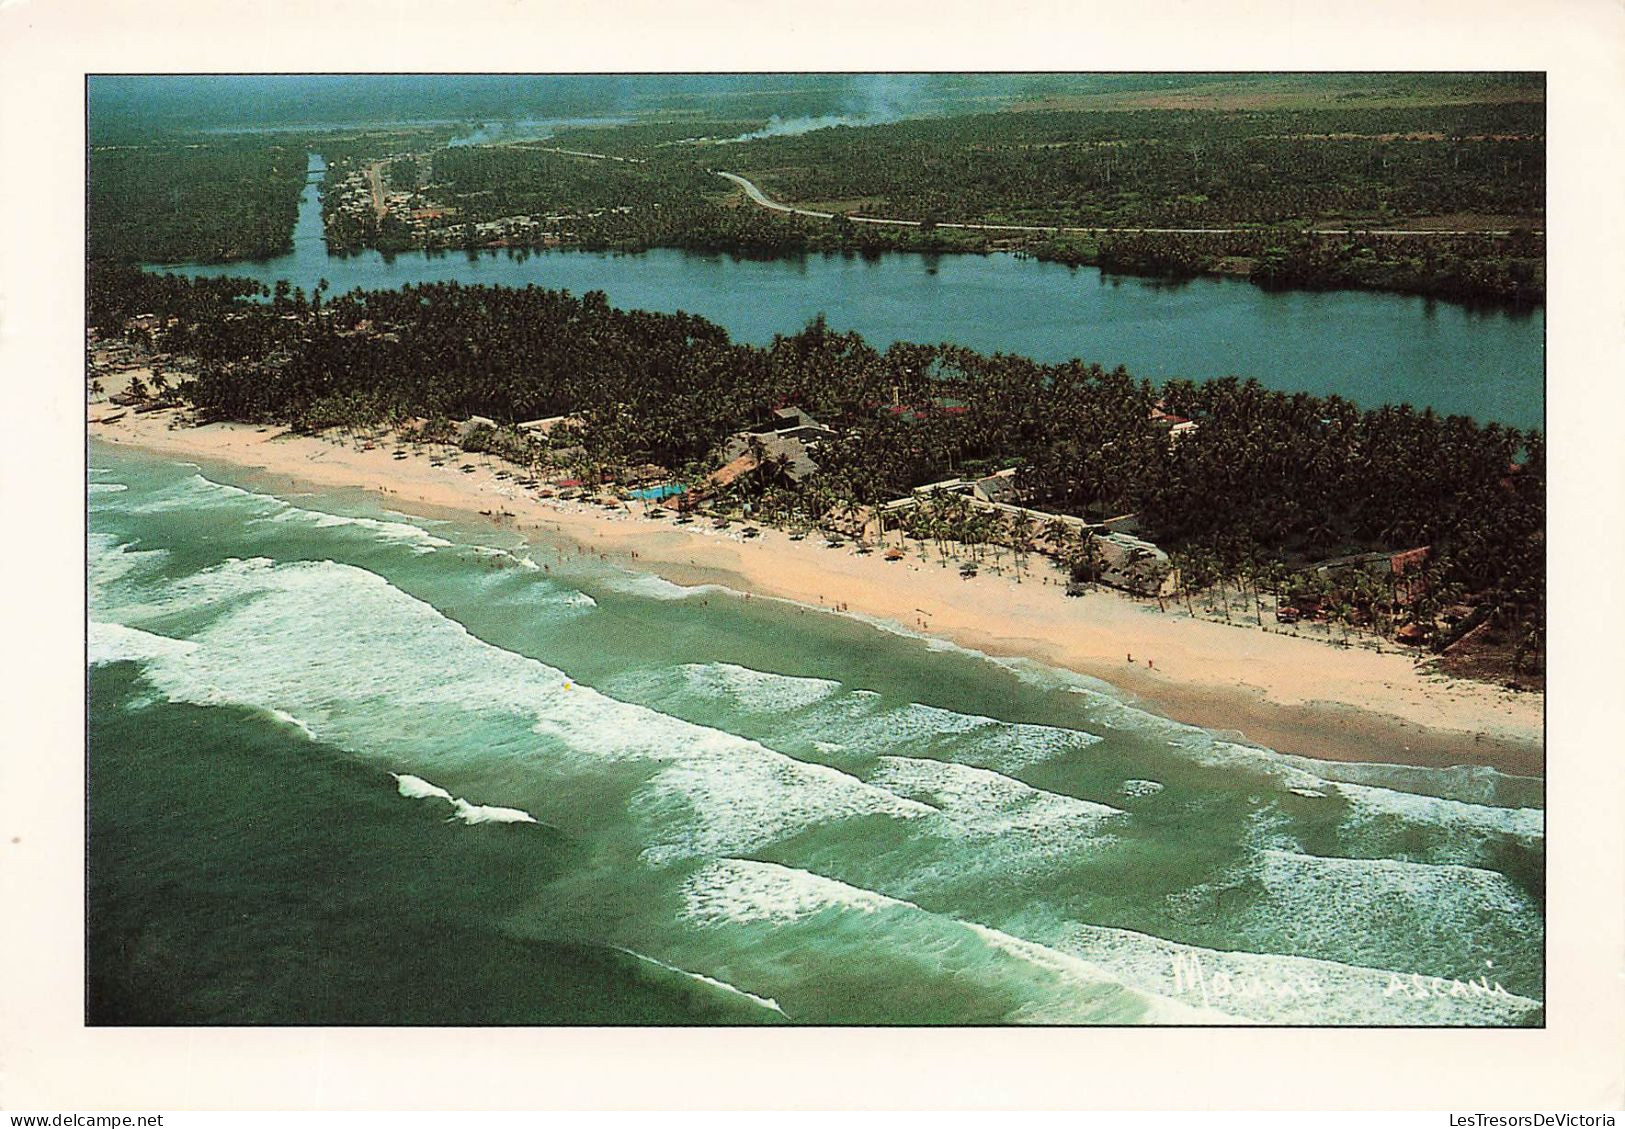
point(1057, 533)
point(1021, 534)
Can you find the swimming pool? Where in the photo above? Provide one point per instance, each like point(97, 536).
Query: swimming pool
point(655, 493)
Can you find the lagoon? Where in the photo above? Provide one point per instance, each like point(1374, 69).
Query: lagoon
point(1371, 348)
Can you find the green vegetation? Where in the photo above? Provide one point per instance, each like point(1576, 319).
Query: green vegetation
point(1263, 159)
point(1265, 483)
point(1171, 168)
point(1461, 157)
point(219, 200)
point(1470, 268)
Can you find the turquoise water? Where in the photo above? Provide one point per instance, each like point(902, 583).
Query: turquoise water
point(353, 766)
point(1367, 347)
point(655, 493)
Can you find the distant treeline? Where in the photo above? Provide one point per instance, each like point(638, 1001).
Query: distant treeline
point(1274, 172)
point(1170, 168)
point(1351, 155)
point(211, 201)
point(550, 199)
point(1507, 269)
point(1267, 479)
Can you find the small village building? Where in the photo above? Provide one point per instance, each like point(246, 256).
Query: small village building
point(1404, 569)
point(793, 452)
point(1177, 426)
point(545, 427)
point(643, 475)
point(472, 424)
point(791, 437)
point(997, 487)
point(1136, 565)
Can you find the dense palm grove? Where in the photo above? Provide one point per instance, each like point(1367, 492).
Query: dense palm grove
point(1174, 168)
point(209, 201)
point(1266, 483)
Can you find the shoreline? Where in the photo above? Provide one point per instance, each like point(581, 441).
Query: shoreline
point(1289, 693)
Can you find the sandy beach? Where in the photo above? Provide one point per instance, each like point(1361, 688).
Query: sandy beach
point(1293, 694)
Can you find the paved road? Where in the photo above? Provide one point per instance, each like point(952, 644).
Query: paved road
point(592, 156)
point(759, 197)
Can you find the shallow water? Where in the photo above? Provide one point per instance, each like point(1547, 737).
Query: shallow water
point(320, 733)
point(1368, 347)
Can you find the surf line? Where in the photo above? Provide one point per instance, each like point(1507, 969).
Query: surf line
point(417, 788)
point(759, 1001)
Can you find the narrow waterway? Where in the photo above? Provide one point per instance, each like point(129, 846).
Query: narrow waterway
point(1367, 347)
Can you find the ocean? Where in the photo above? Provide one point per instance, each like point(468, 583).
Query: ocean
point(353, 766)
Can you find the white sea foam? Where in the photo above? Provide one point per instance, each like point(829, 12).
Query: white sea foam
point(654, 587)
point(322, 640)
point(1474, 784)
point(197, 490)
point(288, 719)
point(1201, 748)
point(981, 804)
point(113, 642)
point(111, 563)
point(742, 892)
point(864, 724)
point(194, 490)
point(1268, 827)
point(486, 813)
point(417, 519)
point(1369, 912)
point(107, 488)
point(1034, 673)
point(721, 804)
point(544, 594)
point(342, 649)
point(892, 627)
point(1140, 788)
point(1467, 783)
point(1463, 831)
point(1378, 817)
point(1086, 974)
point(417, 788)
point(1269, 988)
point(418, 539)
point(701, 978)
point(756, 690)
point(1056, 986)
